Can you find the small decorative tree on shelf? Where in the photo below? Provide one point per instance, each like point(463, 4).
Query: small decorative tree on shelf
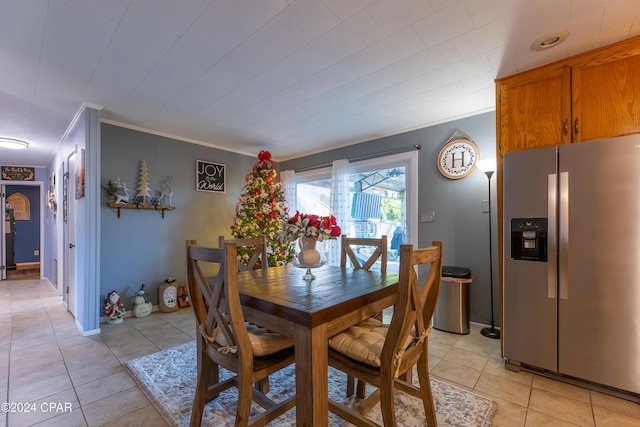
point(261, 209)
point(143, 183)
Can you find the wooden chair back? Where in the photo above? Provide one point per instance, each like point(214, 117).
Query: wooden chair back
point(379, 253)
point(414, 308)
point(223, 338)
point(217, 305)
point(379, 246)
point(252, 252)
point(405, 342)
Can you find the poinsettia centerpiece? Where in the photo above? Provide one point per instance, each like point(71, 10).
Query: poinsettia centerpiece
point(309, 225)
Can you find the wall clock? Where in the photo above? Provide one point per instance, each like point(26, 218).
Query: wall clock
point(458, 158)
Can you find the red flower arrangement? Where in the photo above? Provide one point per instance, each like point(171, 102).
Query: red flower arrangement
point(309, 225)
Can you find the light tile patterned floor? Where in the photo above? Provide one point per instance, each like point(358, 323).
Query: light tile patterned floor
point(46, 360)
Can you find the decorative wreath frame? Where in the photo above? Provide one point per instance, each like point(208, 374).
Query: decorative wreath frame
point(461, 149)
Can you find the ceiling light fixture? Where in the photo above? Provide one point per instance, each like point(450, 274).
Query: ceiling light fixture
point(13, 143)
point(550, 40)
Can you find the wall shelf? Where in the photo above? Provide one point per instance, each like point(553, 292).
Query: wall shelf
point(159, 208)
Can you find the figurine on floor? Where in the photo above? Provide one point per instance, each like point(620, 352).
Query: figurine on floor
point(142, 306)
point(113, 308)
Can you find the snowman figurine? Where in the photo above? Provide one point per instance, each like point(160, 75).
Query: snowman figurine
point(142, 306)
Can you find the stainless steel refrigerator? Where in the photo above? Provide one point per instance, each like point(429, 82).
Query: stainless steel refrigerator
point(572, 261)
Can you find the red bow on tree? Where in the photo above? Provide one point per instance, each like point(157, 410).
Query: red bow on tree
point(264, 156)
point(264, 161)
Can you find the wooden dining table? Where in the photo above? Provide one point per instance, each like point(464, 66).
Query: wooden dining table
point(310, 312)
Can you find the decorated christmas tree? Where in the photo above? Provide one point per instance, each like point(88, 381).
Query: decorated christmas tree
point(261, 209)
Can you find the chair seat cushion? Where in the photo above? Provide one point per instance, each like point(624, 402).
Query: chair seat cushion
point(263, 341)
point(362, 342)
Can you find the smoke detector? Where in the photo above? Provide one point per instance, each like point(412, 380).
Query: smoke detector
point(550, 40)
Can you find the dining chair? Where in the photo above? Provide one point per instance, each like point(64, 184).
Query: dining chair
point(381, 354)
point(259, 257)
point(257, 247)
point(224, 339)
point(378, 246)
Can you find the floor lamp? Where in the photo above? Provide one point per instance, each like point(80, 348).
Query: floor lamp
point(488, 167)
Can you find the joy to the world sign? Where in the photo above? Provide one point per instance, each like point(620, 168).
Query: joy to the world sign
point(210, 176)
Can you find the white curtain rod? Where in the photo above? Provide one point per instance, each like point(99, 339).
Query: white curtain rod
point(365, 157)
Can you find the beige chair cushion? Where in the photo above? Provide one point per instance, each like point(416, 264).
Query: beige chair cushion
point(362, 342)
point(263, 341)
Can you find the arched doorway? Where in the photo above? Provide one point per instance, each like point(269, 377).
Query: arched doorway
point(22, 230)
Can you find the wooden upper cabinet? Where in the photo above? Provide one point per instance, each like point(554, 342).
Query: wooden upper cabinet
point(606, 97)
point(589, 96)
point(534, 109)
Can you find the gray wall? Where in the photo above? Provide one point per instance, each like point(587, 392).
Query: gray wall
point(459, 222)
point(141, 247)
point(82, 134)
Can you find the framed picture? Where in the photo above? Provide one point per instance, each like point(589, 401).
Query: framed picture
point(210, 176)
point(65, 195)
point(79, 173)
point(18, 173)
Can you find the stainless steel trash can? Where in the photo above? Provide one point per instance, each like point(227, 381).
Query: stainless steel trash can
point(452, 308)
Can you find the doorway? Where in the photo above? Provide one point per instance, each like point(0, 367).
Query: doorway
point(22, 230)
point(381, 199)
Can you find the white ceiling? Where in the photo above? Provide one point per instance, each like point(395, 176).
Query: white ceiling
point(291, 76)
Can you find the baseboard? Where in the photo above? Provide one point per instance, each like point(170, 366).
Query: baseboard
point(27, 265)
point(52, 287)
point(129, 313)
point(482, 325)
point(90, 332)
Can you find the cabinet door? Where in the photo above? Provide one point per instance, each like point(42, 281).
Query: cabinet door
point(534, 109)
point(606, 98)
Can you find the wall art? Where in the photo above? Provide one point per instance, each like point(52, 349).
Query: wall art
point(79, 173)
point(210, 176)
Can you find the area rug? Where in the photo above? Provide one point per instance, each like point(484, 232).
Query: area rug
point(169, 378)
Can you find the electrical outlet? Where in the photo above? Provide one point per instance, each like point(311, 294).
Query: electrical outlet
point(36, 252)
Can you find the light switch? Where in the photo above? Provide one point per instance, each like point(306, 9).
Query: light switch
point(427, 216)
point(485, 206)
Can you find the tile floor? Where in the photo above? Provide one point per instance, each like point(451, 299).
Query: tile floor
point(47, 361)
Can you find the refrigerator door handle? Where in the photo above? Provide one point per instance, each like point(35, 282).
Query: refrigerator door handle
point(564, 236)
point(552, 263)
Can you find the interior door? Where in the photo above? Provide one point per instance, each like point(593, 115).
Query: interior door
point(4, 228)
point(69, 215)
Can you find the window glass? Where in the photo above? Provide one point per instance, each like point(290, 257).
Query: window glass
point(378, 207)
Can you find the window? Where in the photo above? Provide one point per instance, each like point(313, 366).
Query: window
point(380, 198)
point(21, 206)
